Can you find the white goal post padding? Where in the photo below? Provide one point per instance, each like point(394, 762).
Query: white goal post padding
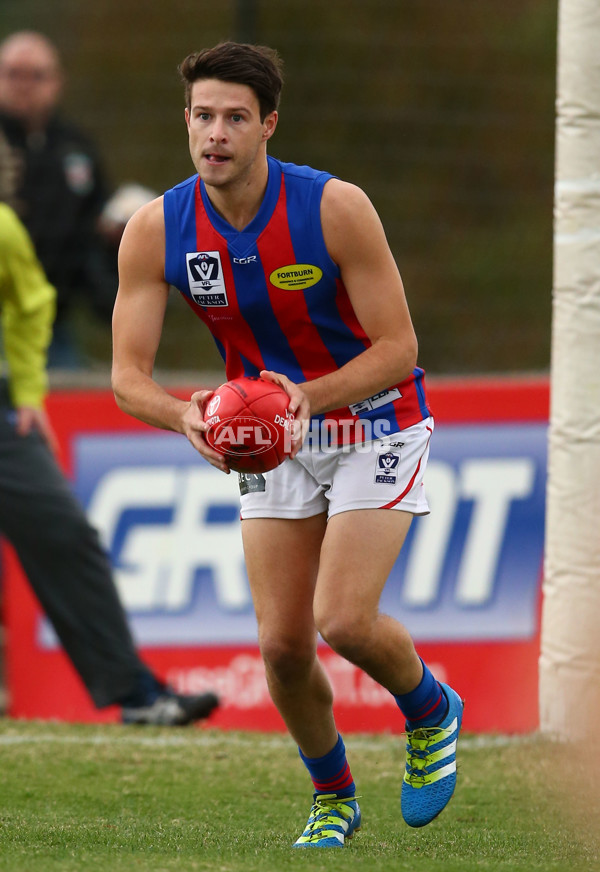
point(570, 655)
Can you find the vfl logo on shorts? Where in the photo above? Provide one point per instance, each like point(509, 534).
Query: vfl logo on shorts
point(205, 278)
point(386, 471)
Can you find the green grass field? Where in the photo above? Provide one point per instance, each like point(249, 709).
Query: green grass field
point(121, 798)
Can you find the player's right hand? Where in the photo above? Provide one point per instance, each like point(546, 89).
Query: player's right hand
point(299, 407)
point(195, 429)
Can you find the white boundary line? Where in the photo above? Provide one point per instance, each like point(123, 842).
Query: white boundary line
point(198, 738)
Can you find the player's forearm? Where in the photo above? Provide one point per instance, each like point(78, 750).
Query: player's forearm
point(140, 396)
point(377, 368)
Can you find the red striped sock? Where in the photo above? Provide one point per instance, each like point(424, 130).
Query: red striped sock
point(426, 705)
point(331, 773)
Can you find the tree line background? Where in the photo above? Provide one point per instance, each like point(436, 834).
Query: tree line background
point(442, 110)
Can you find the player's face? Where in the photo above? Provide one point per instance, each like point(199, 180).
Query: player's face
point(227, 137)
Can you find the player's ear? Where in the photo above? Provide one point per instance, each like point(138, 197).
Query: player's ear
point(269, 125)
point(187, 118)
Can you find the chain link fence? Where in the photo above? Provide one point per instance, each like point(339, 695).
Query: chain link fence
point(442, 110)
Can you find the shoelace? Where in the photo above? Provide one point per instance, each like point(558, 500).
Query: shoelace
point(417, 753)
point(324, 814)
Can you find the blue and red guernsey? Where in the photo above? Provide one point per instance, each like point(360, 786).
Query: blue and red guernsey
point(271, 295)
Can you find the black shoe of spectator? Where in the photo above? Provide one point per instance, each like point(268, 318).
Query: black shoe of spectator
point(170, 709)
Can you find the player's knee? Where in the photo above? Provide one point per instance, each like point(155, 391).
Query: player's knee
point(347, 634)
point(287, 658)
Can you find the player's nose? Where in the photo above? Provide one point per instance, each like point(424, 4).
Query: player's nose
point(217, 131)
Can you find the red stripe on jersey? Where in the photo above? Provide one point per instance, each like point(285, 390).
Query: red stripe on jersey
point(410, 484)
point(400, 405)
point(208, 239)
point(289, 307)
point(235, 366)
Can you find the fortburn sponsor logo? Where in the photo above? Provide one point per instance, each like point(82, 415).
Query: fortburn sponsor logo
point(296, 276)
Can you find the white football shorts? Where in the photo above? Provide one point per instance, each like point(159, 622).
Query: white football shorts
point(386, 473)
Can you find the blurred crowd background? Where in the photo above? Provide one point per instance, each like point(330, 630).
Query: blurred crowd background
point(442, 110)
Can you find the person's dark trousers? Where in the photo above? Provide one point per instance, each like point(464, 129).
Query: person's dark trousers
point(65, 563)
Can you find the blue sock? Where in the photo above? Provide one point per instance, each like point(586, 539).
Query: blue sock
point(331, 773)
point(426, 705)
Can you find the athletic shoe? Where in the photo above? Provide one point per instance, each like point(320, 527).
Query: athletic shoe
point(430, 775)
point(331, 821)
point(170, 709)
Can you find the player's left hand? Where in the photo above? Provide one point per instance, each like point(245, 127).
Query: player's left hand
point(299, 406)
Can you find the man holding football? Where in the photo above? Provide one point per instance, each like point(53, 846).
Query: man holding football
point(342, 345)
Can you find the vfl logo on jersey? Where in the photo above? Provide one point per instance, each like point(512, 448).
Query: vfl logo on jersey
point(296, 276)
point(386, 471)
point(205, 277)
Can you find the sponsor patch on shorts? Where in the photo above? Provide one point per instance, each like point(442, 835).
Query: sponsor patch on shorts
point(386, 471)
point(251, 482)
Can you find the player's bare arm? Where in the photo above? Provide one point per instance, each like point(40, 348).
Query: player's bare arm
point(356, 241)
point(137, 325)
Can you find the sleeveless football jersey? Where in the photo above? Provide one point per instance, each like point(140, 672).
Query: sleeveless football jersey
point(273, 298)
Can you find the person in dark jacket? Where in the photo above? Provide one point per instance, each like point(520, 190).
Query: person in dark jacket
point(59, 550)
point(61, 185)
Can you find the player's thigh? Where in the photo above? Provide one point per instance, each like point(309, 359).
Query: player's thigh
point(282, 562)
point(359, 550)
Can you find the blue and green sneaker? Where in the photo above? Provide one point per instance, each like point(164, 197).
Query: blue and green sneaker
point(331, 821)
point(430, 775)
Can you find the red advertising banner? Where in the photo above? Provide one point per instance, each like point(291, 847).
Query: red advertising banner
point(467, 584)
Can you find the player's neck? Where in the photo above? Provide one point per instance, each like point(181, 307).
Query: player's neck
point(239, 201)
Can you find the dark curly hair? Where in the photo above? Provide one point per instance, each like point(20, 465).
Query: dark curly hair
point(256, 66)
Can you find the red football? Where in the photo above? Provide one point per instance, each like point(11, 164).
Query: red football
point(249, 424)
